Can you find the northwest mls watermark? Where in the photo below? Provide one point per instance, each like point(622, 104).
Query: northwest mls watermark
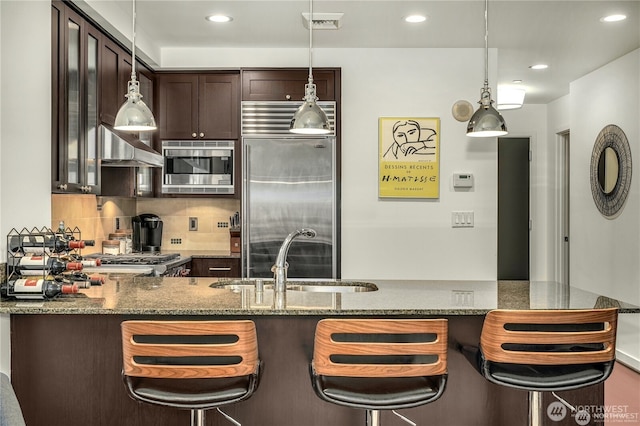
point(592, 414)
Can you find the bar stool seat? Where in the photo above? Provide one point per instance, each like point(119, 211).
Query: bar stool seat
point(553, 378)
point(380, 364)
point(191, 393)
point(194, 365)
point(545, 350)
point(385, 393)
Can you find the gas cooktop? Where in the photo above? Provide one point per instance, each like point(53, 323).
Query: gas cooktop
point(154, 258)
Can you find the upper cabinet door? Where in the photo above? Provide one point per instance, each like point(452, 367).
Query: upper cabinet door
point(115, 75)
point(218, 106)
point(178, 106)
point(199, 106)
point(75, 144)
point(287, 84)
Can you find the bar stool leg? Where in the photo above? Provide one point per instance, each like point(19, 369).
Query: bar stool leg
point(535, 408)
point(373, 418)
point(197, 417)
point(228, 417)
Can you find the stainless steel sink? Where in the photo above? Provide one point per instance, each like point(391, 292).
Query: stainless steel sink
point(347, 287)
point(329, 286)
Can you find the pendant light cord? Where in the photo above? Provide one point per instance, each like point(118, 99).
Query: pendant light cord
point(310, 40)
point(486, 44)
point(133, 48)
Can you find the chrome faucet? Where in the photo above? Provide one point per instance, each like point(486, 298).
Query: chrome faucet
point(280, 268)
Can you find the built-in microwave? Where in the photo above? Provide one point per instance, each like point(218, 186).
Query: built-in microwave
point(197, 167)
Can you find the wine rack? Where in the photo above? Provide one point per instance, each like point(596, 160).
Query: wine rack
point(16, 239)
point(43, 263)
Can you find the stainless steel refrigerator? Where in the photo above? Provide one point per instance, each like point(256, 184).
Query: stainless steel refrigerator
point(289, 183)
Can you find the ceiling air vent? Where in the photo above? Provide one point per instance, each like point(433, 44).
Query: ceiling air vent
point(323, 21)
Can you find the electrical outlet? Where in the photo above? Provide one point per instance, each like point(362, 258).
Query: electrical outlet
point(223, 224)
point(116, 223)
point(193, 224)
point(176, 240)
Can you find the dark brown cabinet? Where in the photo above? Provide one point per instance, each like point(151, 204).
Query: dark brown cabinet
point(75, 106)
point(198, 106)
point(113, 82)
point(90, 73)
point(226, 267)
point(288, 84)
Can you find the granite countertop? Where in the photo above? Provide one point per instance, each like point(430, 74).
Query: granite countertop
point(133, 295)
point(207, 253)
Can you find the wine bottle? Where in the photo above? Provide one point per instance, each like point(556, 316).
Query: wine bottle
point(36, 264)
point(43, 243)
point(90, 262)
point(81, 277)
point(31, 288)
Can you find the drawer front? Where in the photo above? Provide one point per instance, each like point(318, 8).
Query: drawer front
point(215, 267)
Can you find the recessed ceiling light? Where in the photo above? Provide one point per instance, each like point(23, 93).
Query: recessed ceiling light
point(219, 18)
point(415, 18)
point(613, 18)
point(539, 67)
point(517, 81)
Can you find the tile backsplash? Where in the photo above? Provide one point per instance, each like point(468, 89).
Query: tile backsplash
point(96, 218)
point(211, 215)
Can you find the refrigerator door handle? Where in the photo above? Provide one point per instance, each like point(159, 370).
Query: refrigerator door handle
point(245, 254)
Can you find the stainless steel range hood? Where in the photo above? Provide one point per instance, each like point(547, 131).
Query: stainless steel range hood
point(124, 150)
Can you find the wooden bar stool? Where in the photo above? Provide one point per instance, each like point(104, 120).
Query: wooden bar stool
point(546, 350)
point(194, 365)
point(380, 364)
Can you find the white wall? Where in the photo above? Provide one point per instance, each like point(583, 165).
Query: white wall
point(410, 239)
point(605, 253)
point(25, 147)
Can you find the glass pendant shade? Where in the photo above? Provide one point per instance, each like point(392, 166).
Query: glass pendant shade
point(134, 115)
point(486, 122)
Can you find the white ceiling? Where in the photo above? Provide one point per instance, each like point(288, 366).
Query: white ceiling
point(567, 34)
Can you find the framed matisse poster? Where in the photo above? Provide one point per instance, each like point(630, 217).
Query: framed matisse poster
point(409, 157)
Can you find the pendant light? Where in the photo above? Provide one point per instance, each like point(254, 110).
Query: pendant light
point(486, 122)
point(310, 119)
point(134, 115)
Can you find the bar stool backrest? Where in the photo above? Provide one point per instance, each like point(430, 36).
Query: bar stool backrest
point(189, 349)
point(550, 337)
point(380, 347)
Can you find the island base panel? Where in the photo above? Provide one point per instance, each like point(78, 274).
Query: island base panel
point(66, 371)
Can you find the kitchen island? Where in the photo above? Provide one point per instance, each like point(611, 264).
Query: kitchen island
point(66, 353)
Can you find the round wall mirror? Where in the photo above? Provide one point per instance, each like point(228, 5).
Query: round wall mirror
point(608, 167)
point(610, 170)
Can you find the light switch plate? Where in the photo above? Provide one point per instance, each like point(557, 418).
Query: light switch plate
point(193, 224)
point(462, 219)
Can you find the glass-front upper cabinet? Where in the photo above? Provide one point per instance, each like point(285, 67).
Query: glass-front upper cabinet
point(75, 144)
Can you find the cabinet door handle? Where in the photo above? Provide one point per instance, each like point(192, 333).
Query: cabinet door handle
point(201, 135)
point(220, 269)
point(194, 134)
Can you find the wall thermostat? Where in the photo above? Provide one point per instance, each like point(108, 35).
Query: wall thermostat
point(462, 180)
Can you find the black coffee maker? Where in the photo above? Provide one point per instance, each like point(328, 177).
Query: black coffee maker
point(147, 233)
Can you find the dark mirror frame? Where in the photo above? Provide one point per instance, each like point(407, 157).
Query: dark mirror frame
point(610, 196)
